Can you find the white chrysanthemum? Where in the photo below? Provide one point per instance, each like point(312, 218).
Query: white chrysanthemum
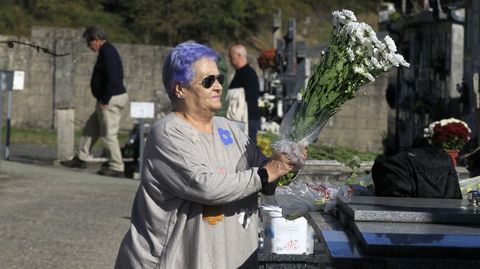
point(261, 103)
point(374, 40)
point(426, 132)
point(368, 45)
point(339, 19)
point(272, 127)
point(336, 15)
point(366, 52)
point(368, 64)
point(359, 70)
point(384, 64)
point(351, 28)
point(381, 46)
point(350, 54)
point(349, 14)
point(366, 30)
point(376, 63)
point(392, 59)
point(401, 60)
point(362, 70)
point(359, 51)
point(359, 34)
point(390, 44)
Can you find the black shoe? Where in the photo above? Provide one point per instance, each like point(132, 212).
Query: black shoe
point(110, 173)
point(105, 165)
point(74, 163)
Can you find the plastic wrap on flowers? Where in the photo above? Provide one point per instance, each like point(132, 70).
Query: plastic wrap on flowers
point(298, 198)
point(300, 127)
point(295, 137)
point(469, 184)
point(294, 151)
point(362, 186)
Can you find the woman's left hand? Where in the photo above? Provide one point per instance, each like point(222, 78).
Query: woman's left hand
point(279, 165)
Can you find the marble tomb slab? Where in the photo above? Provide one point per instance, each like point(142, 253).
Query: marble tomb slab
point(416, 210)
point(419, 239)
point(345, 250)
point(333, 236)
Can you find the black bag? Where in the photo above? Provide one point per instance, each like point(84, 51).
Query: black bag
point(422, 172)
point(472, 162)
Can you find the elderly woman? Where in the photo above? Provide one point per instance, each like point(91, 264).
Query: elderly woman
point(196, 206)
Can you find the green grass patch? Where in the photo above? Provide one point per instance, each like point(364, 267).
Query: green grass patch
point(31, 136)
point(339, 153)
point(319, 152)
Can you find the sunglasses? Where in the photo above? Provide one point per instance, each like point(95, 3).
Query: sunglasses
point(209, 80)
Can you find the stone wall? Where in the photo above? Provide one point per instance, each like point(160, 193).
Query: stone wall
point(362, 122)
point(50, 82)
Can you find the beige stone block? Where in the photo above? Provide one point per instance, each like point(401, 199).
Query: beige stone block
point(64, 124)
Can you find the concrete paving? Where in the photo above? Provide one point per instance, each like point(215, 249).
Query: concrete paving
point(55, 217)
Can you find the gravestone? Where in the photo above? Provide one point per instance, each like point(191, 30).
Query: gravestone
point(388, 232)
point(432, 41)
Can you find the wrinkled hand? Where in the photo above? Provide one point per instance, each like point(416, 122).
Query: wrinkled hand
point(278, 165)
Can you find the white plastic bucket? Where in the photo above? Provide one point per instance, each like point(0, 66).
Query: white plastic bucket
point(282, 236)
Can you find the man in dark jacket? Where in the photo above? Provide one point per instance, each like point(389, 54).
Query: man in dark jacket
point(246, 78)
point(107, 87)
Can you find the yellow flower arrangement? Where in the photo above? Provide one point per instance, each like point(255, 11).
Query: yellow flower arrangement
point(263, 143)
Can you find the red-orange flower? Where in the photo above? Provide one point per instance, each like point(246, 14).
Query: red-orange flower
point(267, 59)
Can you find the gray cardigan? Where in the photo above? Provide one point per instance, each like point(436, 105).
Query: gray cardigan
point(187, 176)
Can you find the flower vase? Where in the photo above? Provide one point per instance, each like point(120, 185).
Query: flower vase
point(453, 154)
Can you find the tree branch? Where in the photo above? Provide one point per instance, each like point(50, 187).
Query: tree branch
point(38, 48)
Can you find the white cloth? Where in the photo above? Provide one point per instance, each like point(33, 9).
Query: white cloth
point(237, 107)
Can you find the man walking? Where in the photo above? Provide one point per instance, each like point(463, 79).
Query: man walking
point(107, 87)
point(246, 78)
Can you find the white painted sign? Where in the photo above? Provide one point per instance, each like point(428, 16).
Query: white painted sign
point(142, 110)
point(18, 80)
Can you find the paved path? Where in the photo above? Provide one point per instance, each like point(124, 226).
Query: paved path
point(53, 217)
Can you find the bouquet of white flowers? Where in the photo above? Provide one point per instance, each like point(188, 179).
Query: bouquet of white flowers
point(355, 56)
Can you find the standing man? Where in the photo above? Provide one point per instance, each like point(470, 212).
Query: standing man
point(107, 87)
point(246, 78)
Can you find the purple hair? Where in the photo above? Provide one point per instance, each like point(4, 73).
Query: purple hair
point(178, 65)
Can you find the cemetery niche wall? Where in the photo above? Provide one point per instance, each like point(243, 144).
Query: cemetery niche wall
point(432, 41)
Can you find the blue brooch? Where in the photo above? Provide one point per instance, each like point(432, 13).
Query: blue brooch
point(226, 136)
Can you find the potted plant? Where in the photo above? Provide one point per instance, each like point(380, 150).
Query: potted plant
point(448, 134)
